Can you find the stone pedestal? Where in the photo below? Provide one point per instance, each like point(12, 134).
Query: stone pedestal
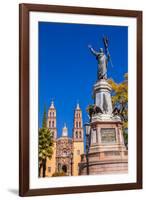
point(102, 96)
point(107, 152)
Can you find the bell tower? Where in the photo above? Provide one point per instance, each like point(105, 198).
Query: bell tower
point(78, 139)
point(51, 122)
point(78, 125)
point(51, 125)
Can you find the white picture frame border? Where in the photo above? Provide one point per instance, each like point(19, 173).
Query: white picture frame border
point(52, 182)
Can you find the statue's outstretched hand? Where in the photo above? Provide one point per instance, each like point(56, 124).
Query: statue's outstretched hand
point(89, 46)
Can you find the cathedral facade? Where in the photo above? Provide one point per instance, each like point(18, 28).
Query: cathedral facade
point(67, 150)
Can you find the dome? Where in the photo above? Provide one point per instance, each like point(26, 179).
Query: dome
point(64, 131)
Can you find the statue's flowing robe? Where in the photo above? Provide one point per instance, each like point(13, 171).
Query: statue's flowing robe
point(102, 65)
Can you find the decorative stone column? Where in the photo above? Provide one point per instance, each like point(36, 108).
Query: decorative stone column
point(102, 96)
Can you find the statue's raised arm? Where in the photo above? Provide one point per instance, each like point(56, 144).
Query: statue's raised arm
point(95, 53)
point(102, 62)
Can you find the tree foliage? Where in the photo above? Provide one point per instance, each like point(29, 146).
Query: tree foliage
point(45, 144)
point(44, 124)
point(120, 100)
point(90, 110)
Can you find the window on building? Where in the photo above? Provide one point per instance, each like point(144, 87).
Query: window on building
point(80, 135)
point(79, 124)
point(79, 114)
point(52, 124)
point(53, 114)
point(50, 114)
point(64, 153)
point(76, 134)
point(78, 152)
point(49, 124)
point(49, 169)
point(76, 124)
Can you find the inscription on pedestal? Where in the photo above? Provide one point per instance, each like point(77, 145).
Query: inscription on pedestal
point(108, 135)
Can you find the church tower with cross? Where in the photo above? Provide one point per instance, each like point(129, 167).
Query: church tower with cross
point(51, 125)
point(78, 139)
point(51, 121)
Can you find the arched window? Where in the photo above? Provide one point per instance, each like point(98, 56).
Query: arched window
point(79, 124)
point(79, 114)
point(64, 153)
point(50, 114)
point(53, 114)
point(49, 124)
point(76, 124)
point(78, 152)
point(52, 124)
point(80, 135)
point(49, 169)
point(76, 134)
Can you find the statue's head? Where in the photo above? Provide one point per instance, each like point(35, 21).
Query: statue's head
point(101, 50)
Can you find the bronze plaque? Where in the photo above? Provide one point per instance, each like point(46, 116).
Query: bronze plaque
point(108, 135)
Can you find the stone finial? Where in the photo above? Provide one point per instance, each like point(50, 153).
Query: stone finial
point(52, 105)
point(64, 131)
point(78, 106)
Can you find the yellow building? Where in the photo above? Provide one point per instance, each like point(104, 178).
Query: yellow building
point(51, 124)
point(78, 140)
point(67, 151)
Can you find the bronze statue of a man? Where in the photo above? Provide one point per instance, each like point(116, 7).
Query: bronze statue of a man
point(102, 60)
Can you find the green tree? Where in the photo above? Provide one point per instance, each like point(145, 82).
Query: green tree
point(120, 100)
point(44, 124)
point(90, 111)
point(45, 144)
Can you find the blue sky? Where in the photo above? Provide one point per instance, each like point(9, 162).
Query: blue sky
point(67, 69)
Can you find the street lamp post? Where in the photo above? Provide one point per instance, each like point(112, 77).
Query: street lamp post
point(87, 130)
point(71, 157)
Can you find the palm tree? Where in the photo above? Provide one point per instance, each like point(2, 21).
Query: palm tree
point(45, 145)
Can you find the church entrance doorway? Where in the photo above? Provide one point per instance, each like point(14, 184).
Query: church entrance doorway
point(64, 168)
